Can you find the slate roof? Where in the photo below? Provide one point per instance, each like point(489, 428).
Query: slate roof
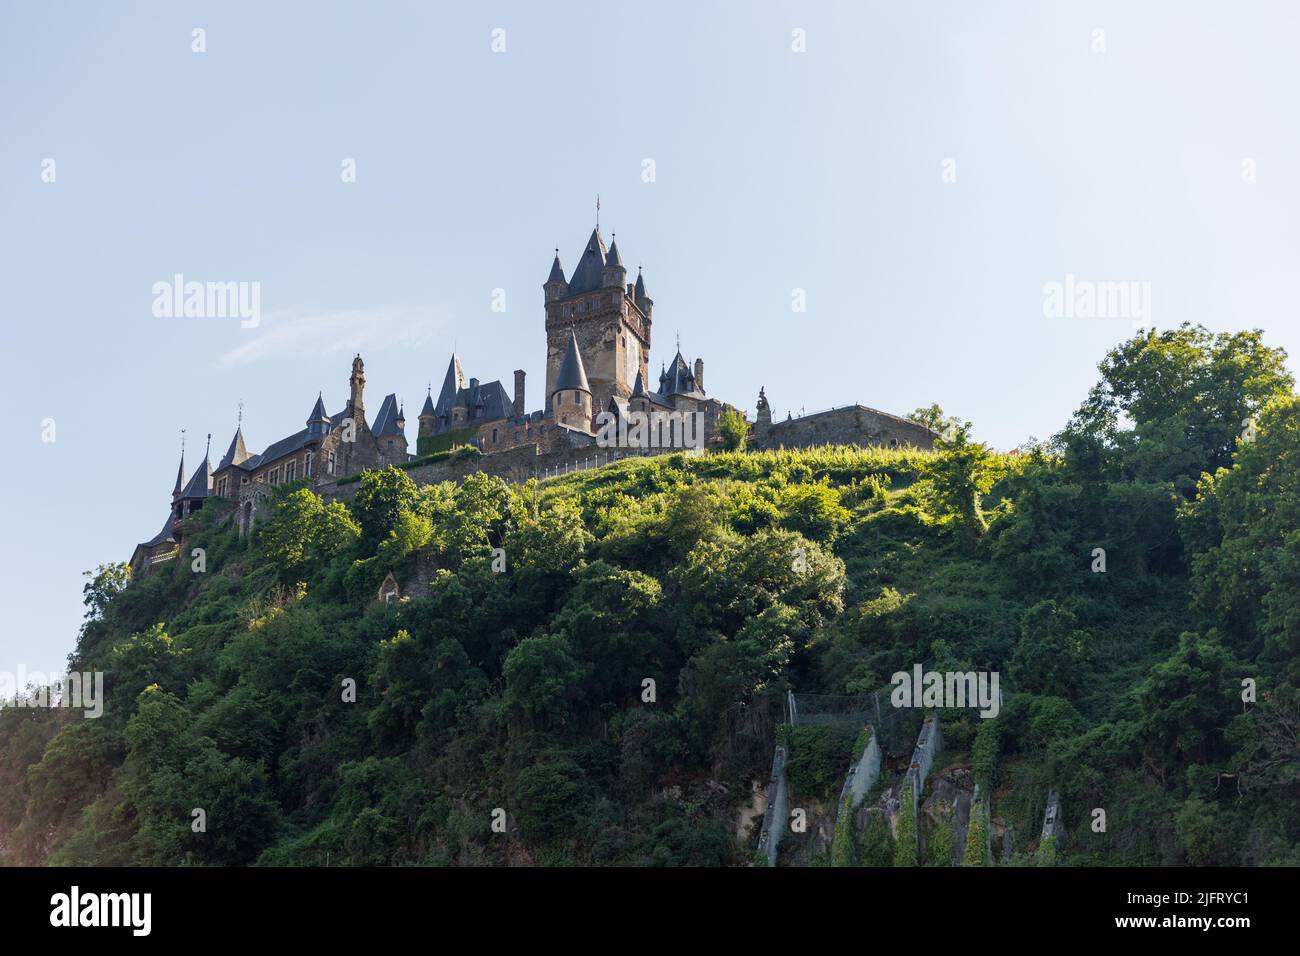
point(588, 274)
point(318, 411)
point(199, 482)
point(638, 391)
point(572, 375)
point(236, 453)
point(386, 420)
point(162, 536)
point(286, 446)
point(452, 385)
point(679, 379)
point(557, 270)
point(488, 401)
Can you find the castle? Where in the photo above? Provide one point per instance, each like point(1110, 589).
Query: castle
point(598, 332)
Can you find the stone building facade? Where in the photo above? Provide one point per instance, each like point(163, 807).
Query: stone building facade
point(847, 425)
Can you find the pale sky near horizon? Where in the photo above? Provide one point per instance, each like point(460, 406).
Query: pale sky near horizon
point(775, 170)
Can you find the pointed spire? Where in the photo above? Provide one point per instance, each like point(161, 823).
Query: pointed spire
point(640, 284)
point(236, 454)
point(318, 410)
point(452, 383)
point(614, 259)
point(200, 482)
point(638, 390)
point(572, 375)
point(557, 270)
point(428, 411)
point(180, 474)
point(588, 274)
point(389, 420)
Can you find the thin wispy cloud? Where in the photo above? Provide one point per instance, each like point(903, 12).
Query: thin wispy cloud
point(295, 332)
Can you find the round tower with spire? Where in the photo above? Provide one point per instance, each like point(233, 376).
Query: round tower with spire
point(571, 398)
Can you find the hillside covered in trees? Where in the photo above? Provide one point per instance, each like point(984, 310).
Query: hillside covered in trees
point(725, 578)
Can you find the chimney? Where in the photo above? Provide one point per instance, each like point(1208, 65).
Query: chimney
point(699, 374)
point(519, 393)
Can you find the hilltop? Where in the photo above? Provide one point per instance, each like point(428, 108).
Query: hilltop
point(605, 656)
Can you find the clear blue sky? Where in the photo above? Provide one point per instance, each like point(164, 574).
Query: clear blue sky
point(775, 170)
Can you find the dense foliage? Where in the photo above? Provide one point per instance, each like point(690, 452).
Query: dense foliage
point(601, 658)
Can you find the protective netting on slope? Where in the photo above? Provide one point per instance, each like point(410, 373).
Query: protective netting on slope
point(895, 727)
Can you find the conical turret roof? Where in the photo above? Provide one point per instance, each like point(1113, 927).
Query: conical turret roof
point(236, 454)
point(451, 385)
point(588, 274)
point(557, 270)
point(572, 374)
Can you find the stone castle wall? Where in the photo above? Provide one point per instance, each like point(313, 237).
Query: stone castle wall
point(516, 465)
point(851, 425)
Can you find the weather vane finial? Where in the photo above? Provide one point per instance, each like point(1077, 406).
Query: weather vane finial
point(598, 210)
point(240, 422)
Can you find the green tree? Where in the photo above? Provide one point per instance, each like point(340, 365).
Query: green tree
point(543, 680)
point(106, 582)
point(734, 429)
point(962, 474)
point(304, 531)
point(1171, 405)
point(381, 498)
point(933, 418)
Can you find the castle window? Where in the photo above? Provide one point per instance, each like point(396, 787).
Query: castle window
point(494, 436)
point(306, 465)
point(329, 464)
point(275, 475)
point(221, 487)
point(291, 471)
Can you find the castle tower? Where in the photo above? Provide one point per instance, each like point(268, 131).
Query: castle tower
point(609, 318)
point(428, 417)
point(571, 399)
point(197, 491)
